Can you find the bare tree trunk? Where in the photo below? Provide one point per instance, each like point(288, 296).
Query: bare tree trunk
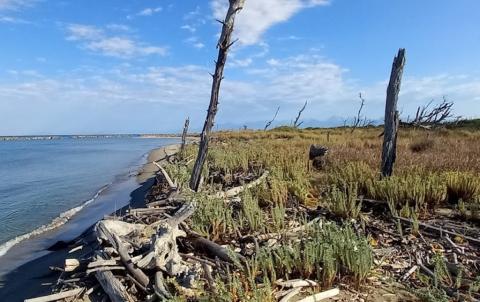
point(223, 46)
point(184, 137)
point(270, 122)
point(296, 123)
point(391, 115)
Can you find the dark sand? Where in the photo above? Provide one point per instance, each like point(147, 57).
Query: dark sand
point(34, 278)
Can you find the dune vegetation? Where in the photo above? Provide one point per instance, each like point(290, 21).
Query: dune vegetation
point(339, 224)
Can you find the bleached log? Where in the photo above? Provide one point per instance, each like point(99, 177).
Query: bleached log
point(237, 190)
point(164, 252)
point(71, 264)
point(104, 268)
point(113, 287)
point(321, 296)
point(296, 283)
point(59, 296)
point(110, 262)
point(159, 287)
point(165, 174)
point(290, 294)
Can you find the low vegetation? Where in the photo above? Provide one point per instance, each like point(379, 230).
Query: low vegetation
point(441, 171)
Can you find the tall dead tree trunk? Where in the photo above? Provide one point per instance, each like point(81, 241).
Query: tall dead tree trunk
point(273, 119)
point(224, 44)
point(296, 123)
point(391, 115)
point(184, 137)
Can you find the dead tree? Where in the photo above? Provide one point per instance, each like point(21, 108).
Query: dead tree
point(358, 118)
point(273, 119)
point(428, 118)
point(391, 115)
point(223, 45)
point(184, 137)
point(296, 124)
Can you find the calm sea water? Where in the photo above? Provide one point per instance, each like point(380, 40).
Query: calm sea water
point(40, 180)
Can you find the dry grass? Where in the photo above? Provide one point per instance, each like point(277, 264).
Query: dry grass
point(439, 173)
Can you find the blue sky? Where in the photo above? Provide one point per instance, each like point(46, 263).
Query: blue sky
point(142, 66)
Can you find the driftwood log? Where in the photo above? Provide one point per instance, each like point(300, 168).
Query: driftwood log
point(59, 296)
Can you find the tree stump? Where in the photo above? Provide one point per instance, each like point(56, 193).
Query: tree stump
point(317, 156)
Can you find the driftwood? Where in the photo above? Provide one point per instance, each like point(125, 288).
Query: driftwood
point(165, 174)
point(290, 294)
point(59, 296)
point(113, 287)
point(138, 274)
point(439, 229)
point(223, 45)
point(321, 296)
point(296, 283)
point(392, 120)
point(237, 190)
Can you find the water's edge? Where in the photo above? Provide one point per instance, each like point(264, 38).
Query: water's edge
point(72, 223)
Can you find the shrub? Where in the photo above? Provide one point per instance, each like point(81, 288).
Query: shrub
point(422, 145)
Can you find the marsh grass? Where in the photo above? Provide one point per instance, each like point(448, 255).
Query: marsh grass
point(423, 180)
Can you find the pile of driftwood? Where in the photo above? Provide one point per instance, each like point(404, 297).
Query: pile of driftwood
point(443, 250)
point(139, 251)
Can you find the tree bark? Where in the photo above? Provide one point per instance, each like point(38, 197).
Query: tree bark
point(391, 115)
point(223, 46)
point(184, 137)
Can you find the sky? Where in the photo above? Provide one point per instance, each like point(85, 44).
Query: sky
point(143, 66)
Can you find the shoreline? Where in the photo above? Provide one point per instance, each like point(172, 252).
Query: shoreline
point(34, 278)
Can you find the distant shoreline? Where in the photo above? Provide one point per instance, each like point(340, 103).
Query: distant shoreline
point(81, 136)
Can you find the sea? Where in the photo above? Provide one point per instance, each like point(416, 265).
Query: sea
point(54, 189)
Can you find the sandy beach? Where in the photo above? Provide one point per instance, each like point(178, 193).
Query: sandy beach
point(34, 278)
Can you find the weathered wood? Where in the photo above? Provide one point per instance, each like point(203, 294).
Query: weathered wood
point(389, 149)
point(223, 45)
point(213, 248)
point(321, 296)
point(160, 288)
point(184, 137)
point(296, 123)
point(273, 119)
point(138, 274)
point(113, 287)
point(59, 296)
point(165, 174)
point(438, 229)
point(237, 190)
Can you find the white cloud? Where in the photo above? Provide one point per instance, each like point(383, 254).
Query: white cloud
point(195, 42)
point(16, 4)
point(258, 16)
point(190, 28)
point(251, 97)
point(149, 11)
point(13, 20)
point(98, 40)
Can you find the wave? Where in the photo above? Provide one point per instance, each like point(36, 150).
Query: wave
point(55, 223)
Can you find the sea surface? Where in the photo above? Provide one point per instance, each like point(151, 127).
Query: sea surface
point(44, 184)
